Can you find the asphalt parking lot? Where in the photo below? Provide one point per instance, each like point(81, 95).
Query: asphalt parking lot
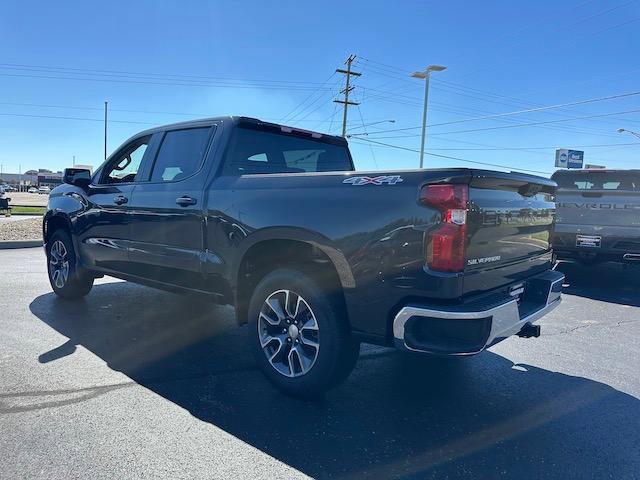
point(138, 383)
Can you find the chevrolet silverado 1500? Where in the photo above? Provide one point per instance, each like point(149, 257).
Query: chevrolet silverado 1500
point(315, 257)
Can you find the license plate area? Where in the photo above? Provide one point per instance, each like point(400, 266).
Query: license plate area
point(588, 241)
point(517, 292)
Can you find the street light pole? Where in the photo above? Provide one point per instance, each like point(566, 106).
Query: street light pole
point(105, 129)
point(426, 75)
point(635, 134)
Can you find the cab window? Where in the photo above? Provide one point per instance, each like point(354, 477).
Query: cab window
point(181, 154)
point(124, 168)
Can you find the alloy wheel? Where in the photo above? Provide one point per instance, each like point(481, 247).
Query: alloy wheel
point(288, 333)
point(59, 264)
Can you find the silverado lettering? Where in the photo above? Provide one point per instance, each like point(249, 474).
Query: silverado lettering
point(603, 206)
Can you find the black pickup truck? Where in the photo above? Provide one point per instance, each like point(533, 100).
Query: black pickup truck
point(315, 256)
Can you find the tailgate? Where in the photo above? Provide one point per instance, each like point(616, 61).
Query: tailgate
point(509, 225)
point(600, 198)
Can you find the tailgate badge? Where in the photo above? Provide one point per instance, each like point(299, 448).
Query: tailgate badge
point(477, 261)
point(380, 180)
point(516, 292)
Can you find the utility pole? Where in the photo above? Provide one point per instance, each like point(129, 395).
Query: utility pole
point(105, 129)
point(74, 161)
point(346, 91)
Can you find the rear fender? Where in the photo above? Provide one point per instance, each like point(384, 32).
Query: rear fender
point(325, 245)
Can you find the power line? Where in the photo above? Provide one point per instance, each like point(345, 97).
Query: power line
point(321, 105)
point(120, 73)
point(551, 147)
point(149, 112)
point(328, 119)
point(308, 97)
point(562, 27)
point(456, 89)
point(457, 109)
point(542, 123)
point(164, 83)
point(536, 25)
point(373, 155)
point(71, 118)
point(452, 158)
point(537, 109)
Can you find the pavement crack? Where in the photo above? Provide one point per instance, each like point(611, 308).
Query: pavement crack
point(595, 324)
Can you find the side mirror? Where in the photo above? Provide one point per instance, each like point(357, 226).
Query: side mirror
point(80, 177)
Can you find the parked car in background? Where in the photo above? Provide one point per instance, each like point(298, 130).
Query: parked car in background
point(44, 190)
point(32, 190)
point(315, 256)
point(597, 216)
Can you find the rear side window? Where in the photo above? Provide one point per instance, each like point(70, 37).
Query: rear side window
point(180, 154)
point(255, 151)
point(622, 181)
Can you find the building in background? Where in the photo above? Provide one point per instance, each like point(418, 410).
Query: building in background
point(21, 181)
point(47, 178)
point(36, 178)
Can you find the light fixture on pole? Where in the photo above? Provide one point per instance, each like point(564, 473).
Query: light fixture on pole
point(635, 134)
point(426, 75)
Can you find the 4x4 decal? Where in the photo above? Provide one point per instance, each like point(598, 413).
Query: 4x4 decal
point(381, 180)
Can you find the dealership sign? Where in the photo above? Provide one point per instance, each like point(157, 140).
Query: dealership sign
point(569, 158)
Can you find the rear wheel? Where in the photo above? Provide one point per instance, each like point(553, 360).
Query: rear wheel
point(67, 279)
point(299, 335)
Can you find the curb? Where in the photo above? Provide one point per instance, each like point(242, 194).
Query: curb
point(6, 244)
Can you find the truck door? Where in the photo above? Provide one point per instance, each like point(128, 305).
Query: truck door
point(167, 210)
point(104, 229)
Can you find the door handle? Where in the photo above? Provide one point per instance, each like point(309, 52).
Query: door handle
point(119, 200)
point(185, 201)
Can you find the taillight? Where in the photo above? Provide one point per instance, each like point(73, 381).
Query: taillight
point(446, 243)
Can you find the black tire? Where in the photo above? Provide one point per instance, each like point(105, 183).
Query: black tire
point(337, 351)
point(78, 282)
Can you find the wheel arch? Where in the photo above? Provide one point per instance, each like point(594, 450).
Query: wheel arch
point(53, 221)
point(282, 248)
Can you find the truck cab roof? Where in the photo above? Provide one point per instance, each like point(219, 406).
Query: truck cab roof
point(249, 122)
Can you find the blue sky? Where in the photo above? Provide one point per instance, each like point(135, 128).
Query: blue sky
point(275, 60)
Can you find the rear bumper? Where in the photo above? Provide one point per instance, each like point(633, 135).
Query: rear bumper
point(469, 329)
point(597, 257)
point(616, 243)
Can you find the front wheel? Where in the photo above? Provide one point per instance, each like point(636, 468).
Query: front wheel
point(67, 279)
point(299, 334)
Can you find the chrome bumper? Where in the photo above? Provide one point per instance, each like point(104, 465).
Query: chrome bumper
point(505, 319)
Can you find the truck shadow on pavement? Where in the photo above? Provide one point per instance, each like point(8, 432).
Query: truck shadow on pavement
point(607, 282)
point(396, 416)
